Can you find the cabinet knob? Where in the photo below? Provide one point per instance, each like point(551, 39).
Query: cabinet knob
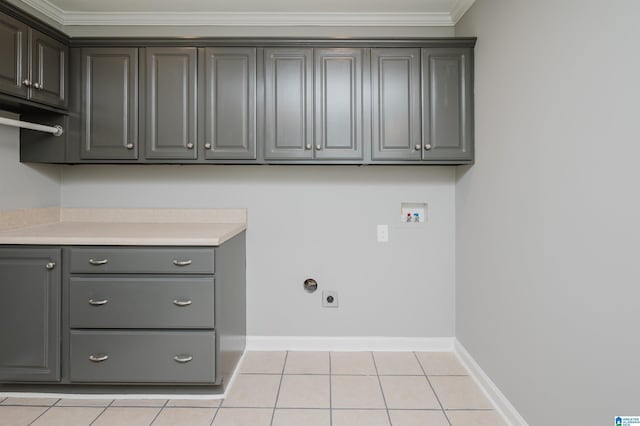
point(26, 82)
point(129, 146)
point(50, 265)
point(37, 85)
point(417, 147)
point(189, 145)
point(308, 147)
point(318, 147)
point(427, 147)
point(207, 146)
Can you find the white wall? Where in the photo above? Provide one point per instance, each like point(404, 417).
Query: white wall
point(547, 223)
point(23, 185)
point(315, 222)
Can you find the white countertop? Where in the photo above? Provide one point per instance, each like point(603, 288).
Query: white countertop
point(113, 230)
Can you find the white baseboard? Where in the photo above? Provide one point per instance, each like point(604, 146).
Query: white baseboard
point(499, 400)
point(399, 344)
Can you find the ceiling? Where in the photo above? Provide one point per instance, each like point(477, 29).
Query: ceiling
point(419, 13)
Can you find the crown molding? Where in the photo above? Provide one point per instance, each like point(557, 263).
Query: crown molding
point(285, 19)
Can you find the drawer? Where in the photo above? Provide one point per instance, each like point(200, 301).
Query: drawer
point(148, 260)
point(142, 356)
point(141, 302)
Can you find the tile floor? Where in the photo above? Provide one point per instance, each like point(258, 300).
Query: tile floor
point(295, 389)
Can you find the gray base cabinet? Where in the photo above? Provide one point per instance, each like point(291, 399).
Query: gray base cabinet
point(105, 316)
point(30, 314)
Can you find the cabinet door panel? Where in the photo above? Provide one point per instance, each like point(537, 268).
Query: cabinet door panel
point(48, 70)
point(338, 124)
point(14, 51)
point(171, 123)
point(447, 123)
point(109, 103)
point(395, 75)
point(29, 314)
point(230, 107)
point(288, 104)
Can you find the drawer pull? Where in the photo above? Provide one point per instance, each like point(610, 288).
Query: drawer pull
point(182, 358)
point(98, 262)
point(98, 358)
point(182, 302)
point(98, 302)
point(182, 262)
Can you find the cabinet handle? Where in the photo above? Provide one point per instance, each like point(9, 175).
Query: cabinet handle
point(427, 147)
point(98, 358)
point(98, 302)
point(50, 265)
point(417, 147)
point(129, 146)
point(207, 146)
point(37, 85)
point(182, 302)
point(26, 82)
point(182, 358)
point(98, 262)
point(182, 262)
point(189, 145)
point(318, 147)
point(308, 147)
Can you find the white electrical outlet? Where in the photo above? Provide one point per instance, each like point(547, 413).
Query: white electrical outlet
point(383, 233)
point(329, 299)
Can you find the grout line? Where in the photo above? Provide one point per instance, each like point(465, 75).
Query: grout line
point(284, 365)
point(216, 414)
point(102, 412)
point(159, 411)
point(330, 395)
point(2, 400)
point(432, 389)
point(384, 398)
point(45, 411)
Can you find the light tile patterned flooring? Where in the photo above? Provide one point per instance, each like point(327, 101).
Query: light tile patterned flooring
point(296, 389)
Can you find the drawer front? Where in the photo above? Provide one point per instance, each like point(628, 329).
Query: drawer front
point(142, 356)
point(141, 302)
point(152, 260)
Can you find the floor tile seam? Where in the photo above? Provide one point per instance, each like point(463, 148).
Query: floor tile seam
point(330, 394)
point(159, 411)
point(102, 412)
point(433, 390)
point(384, 398)
point(41, 414)
point(471, 409)
point(275, 404)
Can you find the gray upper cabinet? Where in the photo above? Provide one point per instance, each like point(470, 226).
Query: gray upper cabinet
point(109, 110)
point(229, 82)
point(338, 104)
point(447, 110)
point(30, 301)
point(395, 103)
point(33, 66)
point(288, 113)
point(14, 51)
point(48, 70)
point(170, 102)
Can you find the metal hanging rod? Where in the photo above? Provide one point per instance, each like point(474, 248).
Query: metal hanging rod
point(54, 130)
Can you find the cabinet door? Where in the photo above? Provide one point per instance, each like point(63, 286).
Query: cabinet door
point(338, 100)
point(109, 103)
point(170, 102)
point(395, 97)
point(447, 122)
point(48, 70)
point(229, 99)
point(14, 51)
point(29, 314)
point(288, 104)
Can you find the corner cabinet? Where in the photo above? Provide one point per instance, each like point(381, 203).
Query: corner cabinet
point(34, 65)
point(30, 314)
